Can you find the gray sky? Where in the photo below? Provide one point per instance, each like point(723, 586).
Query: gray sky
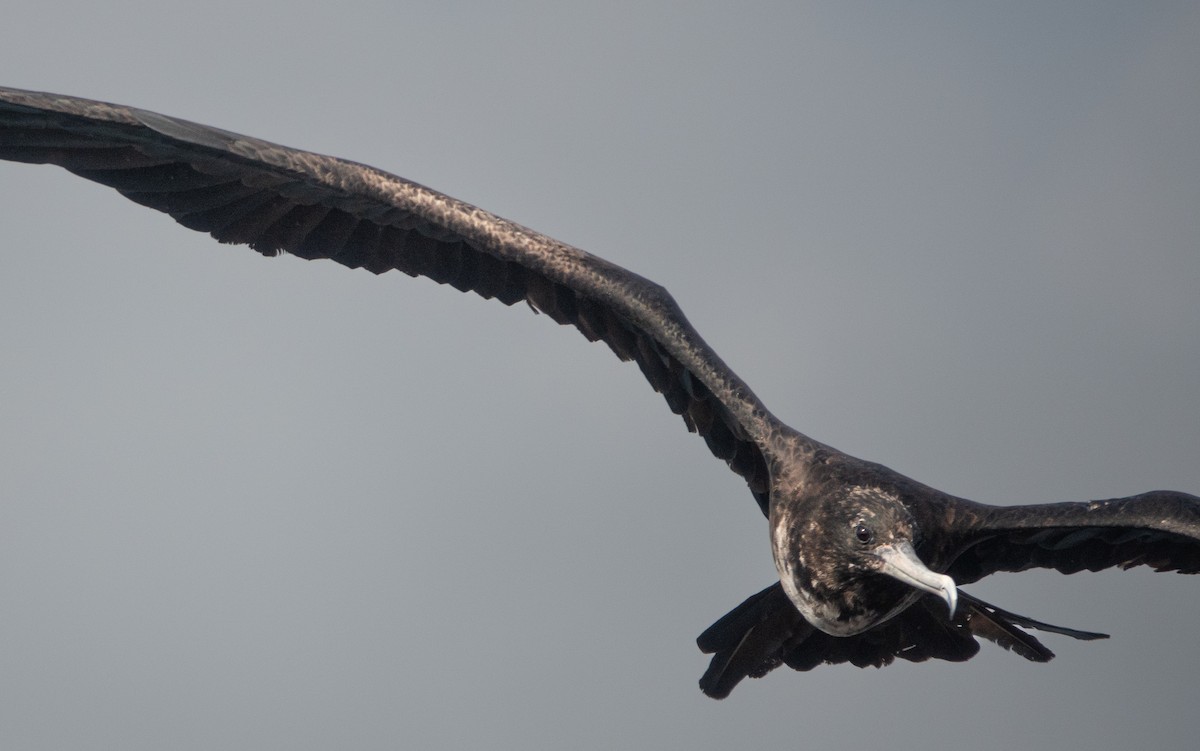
point(263, 503)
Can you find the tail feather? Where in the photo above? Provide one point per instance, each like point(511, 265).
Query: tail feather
point(1027, 622)
point(766, 631)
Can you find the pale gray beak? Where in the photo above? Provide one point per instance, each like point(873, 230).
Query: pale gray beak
point(900, 562)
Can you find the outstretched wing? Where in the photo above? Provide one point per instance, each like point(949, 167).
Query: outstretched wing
point(1160, 529)
point(273, 198)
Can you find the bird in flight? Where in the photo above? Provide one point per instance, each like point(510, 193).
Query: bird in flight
point(870, 562)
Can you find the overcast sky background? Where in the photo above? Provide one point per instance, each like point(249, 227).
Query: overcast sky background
point(264, 503)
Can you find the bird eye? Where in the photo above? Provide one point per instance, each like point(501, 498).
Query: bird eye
point(863, 534)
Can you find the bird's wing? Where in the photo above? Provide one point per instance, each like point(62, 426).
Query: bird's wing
point(1160, 529)
point(766, 631)
point(273, 198)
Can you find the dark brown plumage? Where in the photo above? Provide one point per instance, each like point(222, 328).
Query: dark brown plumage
point(859, 548)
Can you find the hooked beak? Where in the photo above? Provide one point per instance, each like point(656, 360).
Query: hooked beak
point(900, 562)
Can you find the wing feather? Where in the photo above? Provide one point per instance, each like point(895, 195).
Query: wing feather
point(1159, 529)
point(277, 199)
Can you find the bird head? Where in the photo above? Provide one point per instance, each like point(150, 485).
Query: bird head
point(848, 560)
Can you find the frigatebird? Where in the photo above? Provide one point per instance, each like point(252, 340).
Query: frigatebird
point(870, 562)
